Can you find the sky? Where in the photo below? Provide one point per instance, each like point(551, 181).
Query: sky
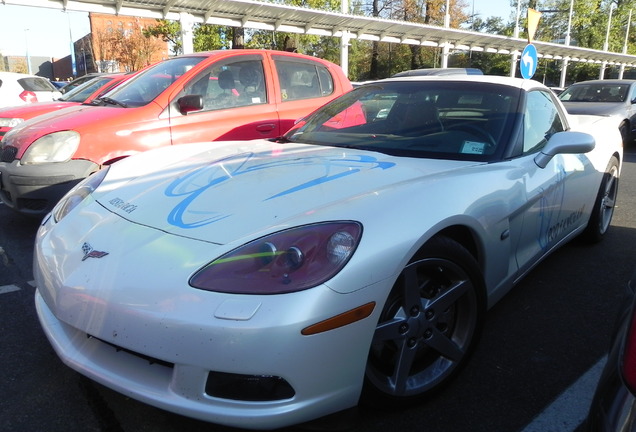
point(47, 32)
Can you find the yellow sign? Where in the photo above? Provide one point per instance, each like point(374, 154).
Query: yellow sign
point(533, 23)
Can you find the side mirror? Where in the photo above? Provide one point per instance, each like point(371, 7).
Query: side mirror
point(190, 103)
point(565, 142)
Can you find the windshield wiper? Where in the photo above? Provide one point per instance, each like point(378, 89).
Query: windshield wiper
point(112, 101)
point(281, 140)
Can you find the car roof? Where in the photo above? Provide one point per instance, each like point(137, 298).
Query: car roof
point(439, 71)
point(494, 79)
point(605, 81)
point(19, 75)
point(251, 51)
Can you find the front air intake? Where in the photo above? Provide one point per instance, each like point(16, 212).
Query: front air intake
point(8, 154)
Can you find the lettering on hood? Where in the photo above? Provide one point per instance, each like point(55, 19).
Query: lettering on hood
point(123, 205)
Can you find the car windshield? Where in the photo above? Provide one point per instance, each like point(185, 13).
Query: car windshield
point(595, 93)
point(148, 84)
point(83, 91)
point(450, 119)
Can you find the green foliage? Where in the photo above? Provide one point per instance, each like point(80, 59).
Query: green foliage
point(212, 37)
point(168, 31)
point(587, 28)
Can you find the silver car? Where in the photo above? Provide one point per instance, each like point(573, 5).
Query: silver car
point(611, 97)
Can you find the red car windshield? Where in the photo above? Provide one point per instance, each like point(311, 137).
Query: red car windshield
point(148, 84)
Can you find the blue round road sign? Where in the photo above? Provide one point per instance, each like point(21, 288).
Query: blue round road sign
point(528, 61)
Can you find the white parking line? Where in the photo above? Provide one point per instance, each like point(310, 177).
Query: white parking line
point(569, 410)
point(8, 288)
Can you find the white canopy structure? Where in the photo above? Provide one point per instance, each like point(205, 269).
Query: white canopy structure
point(280, 17)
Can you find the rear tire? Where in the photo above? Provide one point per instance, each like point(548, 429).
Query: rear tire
point(603, 210)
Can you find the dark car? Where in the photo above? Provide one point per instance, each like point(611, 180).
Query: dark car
point(613, 408)
point(611, 97)
point(59, 84)
point(79, 81)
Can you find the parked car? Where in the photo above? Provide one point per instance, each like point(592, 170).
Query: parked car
point(557, 90)
point(86, 93)
point(219, 95)
point(80, 80)
point(59, 84)
point(265, 283)
point(20, 89)
point(613, 407)
point(439, 71)
point(609, 97)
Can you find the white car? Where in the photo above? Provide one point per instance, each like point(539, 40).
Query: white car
point(263, 284)
point(19, 89)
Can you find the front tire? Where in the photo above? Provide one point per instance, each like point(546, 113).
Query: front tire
point(428, 327)
point(626, 134)
point(603, 210)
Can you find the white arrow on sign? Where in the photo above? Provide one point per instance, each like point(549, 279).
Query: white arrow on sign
point(528, 60)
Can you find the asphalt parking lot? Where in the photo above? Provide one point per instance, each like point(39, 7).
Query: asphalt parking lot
point(534, 369)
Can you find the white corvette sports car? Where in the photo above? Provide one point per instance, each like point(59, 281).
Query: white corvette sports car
point(263, 284)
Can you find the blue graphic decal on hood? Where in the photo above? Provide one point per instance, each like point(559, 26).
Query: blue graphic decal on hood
point(195, 183)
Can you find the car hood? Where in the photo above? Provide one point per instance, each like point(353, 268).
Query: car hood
point(595, 108)
point(31, 110)
point(246, 189)
point(74, 117)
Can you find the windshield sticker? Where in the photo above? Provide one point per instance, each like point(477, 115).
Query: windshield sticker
point(473, 147)
point(194, 184)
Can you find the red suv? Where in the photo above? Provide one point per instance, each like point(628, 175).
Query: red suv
point(210, 96)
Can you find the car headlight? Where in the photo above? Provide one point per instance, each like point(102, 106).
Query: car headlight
point(54, 147)
point(10, 122)
point(78, 194)
point(287, 261)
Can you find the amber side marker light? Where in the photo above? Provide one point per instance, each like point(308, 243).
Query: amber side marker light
point(345, 318)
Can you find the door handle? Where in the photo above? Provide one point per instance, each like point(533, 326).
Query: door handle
point(266, 127)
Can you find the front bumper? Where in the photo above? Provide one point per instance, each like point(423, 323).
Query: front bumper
point(35, 189)
point(134, 325)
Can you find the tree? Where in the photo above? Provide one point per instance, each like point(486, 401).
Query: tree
point(133, 49)
point(103, 50)
point(124, 47)
point(169, 32)
point(375, 59)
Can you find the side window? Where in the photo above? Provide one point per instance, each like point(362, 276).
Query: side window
point(303, 80)
point(632, 93)
point(541, 120)
point(230, 84)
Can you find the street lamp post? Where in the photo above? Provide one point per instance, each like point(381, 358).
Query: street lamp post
point(84, 61)
point(72, 45)
point(629, 23)
point(445, 49)
point(564, 66)
point(344, 40)
point(28, 57)
point(515, 55)
point(606, 44)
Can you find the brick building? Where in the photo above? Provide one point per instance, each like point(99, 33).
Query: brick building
point(116, 44)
